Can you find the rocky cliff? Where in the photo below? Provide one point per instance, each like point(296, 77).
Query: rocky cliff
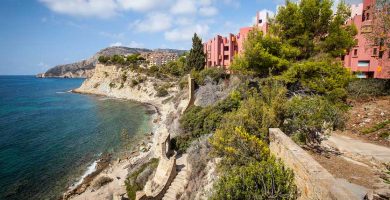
point(85, 68)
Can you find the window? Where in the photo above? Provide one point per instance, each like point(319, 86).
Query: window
point(355, 51)
point(363, 63)
point(226, 57)
point(226, 48)
point(388, 54)
point(374, 51)
point(368, 16)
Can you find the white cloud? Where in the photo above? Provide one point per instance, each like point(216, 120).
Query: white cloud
point(83, 8)
point(139, 5)
point(154, 22)
point(134, 44)
point(232, 3)
point(117, 36)
point(43, 65)
point(185, 33)
point(183, 7)
point(116, 44)
point(182, 21)
point(208, 11)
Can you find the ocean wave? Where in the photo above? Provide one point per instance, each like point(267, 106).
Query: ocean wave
point(90, 169)
point(61, 92)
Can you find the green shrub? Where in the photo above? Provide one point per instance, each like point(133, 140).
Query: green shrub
point(268, 179)
point(361, 88)
point(124, 77)
point(215, 74)
point(318, 77)
point(162, 92)
point(101, 181)
point(103, 59)
point(137, 180)
point(308, 118)
point(152, 71)
point(134, 82)
point(198, 121)
point(376, 127)
point(112, 85)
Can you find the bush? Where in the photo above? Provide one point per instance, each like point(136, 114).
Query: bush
point(134, 82)
point(215, 74)
point(308, 118)
point(137, 180)
point(198, 121)
point(124, 77)
point(112, 85)
point(318, 77)
point(103, 59)
point(101, 181)
point(238, 147)
point(162, 92)
point(268, 179)
point(361, 88)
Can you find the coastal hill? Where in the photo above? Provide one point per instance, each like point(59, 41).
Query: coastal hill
point(84, 68)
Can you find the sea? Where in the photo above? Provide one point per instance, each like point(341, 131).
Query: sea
point(50, 137)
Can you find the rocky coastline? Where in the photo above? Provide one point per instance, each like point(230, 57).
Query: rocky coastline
point(99, 84)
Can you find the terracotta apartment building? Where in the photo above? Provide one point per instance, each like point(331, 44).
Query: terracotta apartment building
point(363, 60)
point(366, 60)
point(220, 50)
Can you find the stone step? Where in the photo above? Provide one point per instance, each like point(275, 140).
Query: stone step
point(168, 198)
point(178, 184)
point(172, 189)
point(170, 194)
point(180, 179)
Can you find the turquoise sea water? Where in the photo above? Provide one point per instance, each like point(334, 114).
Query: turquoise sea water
point(48, 136)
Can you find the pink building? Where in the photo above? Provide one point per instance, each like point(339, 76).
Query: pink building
point(220, 50)
point(363, 59)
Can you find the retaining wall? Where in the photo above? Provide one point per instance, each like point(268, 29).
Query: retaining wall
point(312, 180)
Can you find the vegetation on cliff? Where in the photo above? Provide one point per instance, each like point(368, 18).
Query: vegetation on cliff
point(292, 79)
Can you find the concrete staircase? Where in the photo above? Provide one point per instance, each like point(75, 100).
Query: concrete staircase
point(181, 180)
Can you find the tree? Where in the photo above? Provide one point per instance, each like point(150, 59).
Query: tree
point(264, 54)
point(341, 37)
point(303, 24)
point(322, 78)
point(196, 58)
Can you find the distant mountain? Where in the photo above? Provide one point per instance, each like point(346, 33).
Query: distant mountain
point(84, 68)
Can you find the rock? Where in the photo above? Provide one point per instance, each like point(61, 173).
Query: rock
point(85, 68)
point(381, 194)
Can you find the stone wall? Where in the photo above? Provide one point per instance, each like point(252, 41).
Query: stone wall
point(312, 180)
point(191, 93)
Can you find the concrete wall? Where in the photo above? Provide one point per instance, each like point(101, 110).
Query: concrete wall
point(312, 180)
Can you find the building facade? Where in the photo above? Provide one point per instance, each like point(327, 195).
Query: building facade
point(159, 58)
point(220, 50)
point(366, 60)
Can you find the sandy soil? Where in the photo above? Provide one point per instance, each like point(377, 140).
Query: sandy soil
point(358, 157)
point(366, 113)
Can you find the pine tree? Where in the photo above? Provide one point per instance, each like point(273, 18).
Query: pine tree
point(196, 57)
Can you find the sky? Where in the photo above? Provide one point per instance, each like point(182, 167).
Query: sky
point(36, 35)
